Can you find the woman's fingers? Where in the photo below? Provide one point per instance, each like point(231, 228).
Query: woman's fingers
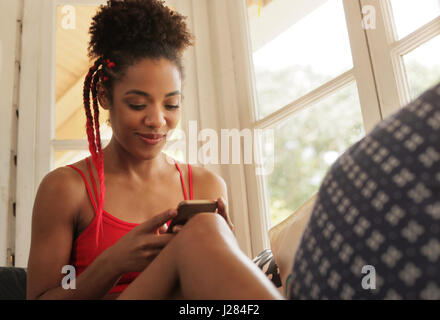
point(222, 209)
point(163, 229)
point(156, 241)
point(152, 253)
point(155, 223)
point(177, 228)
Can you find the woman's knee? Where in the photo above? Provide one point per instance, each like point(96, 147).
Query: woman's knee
point(208, 223)
point(205, 227)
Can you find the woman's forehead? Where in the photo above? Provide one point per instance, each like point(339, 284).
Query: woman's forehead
point(158, 69)
point(148, 75)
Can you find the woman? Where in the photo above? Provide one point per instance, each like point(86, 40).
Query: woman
point(137, 75)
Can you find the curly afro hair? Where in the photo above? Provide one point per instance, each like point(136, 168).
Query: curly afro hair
point(125, 31)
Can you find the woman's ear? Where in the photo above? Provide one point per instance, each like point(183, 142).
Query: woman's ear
point(103, 97)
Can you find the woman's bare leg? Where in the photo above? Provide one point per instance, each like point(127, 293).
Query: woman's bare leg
point(204, 260)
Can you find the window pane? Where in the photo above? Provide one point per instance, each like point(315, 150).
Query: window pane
point(423, 67)
point(307, 144)
point(297, 46)
point(409, 15)
point(72, 65)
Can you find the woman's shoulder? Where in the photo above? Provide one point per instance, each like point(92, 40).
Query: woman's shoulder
point(207, 183)
point(58, 203)
point(66, 175)
point(62, 184)
point(204, 174)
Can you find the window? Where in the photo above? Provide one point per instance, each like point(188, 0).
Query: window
point(307, 143)
point(293, 64)
point(403, 49)
point(410, 15)
point(311, 61)
point(423, 67)
point(299, 48)
point(417, 41)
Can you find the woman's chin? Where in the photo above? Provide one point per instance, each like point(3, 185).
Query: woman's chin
point(144, 152)
point(150, 154)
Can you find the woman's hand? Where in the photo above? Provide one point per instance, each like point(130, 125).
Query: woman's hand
point(137, 249)
point(222, 209)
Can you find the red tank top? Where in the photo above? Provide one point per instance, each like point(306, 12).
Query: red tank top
point(85, 250)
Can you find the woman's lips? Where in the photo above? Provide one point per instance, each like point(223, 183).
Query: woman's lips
point(151, 139)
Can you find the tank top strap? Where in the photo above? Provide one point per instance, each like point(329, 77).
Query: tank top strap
point(95, 189)
point(182, 180)
point(89, 191)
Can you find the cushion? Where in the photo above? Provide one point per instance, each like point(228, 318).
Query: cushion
point(286, 236)
point(12, 283)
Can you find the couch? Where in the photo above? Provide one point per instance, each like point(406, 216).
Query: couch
point(12, 283)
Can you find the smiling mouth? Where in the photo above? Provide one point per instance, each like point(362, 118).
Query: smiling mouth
point(151, 139)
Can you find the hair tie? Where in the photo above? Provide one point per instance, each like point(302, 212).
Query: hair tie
point(110, 64)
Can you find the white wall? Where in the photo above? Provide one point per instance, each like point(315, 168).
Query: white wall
point(9, 69)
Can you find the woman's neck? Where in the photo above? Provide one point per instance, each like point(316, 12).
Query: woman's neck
point(118, 161)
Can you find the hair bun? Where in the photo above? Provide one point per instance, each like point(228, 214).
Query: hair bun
point(130, 25)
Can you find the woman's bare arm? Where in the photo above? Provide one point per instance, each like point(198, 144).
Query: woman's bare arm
point(56, 206)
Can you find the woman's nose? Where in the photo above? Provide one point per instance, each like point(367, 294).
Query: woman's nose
point(155, 117)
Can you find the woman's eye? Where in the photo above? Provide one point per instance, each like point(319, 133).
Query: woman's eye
point(142, 106)
point(137, 106)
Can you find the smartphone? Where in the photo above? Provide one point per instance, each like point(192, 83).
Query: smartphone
point(188, 208)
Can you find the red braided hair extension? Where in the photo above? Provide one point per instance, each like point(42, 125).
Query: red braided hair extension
point(100, 167)
point(90, 84)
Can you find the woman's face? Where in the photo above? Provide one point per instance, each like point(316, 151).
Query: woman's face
point(146, 106)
